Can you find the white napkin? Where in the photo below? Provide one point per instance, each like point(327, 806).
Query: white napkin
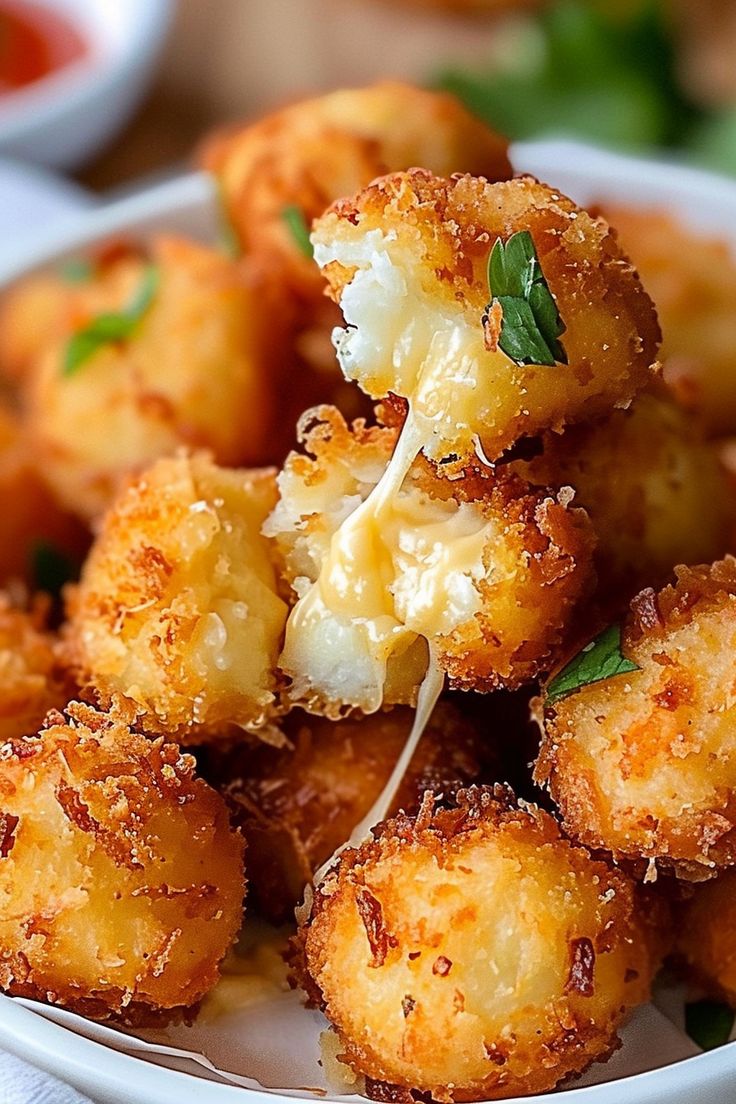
point(24, 1084)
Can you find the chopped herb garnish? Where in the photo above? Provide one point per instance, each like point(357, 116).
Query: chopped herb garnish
point(708, 1023)
point(599, 660)
point(50, 567)
point(294, 218)
point(111, 327)
point(530, 324)
point(77, 270)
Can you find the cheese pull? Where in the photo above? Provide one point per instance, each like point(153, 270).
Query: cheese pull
point(407, 259)
point(392, 563)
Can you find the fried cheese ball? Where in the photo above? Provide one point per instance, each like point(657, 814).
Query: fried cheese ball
point(121, 880)
point(475, 953)
point(484, 569)
point(656, 492)
point(40, 309)
point(177, 610)
point(191, 373)
point(644, 764)
point(33, 522)
point(306, 156)
point(706, 931)
point(407, 260)
point(298, 803)
point(692, 278)
point(32, 677)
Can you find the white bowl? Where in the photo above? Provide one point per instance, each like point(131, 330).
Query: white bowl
point(112, 1073)
point(62, 119)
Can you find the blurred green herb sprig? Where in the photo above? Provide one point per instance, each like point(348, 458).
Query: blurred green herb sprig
point(594, 69)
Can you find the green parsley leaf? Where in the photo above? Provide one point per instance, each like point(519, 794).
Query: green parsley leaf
point(294, 218)
point(531, 323)
point(50, 567)
point(112, 326)
point(77, 270)
point(708, 1023)
point(599, 660)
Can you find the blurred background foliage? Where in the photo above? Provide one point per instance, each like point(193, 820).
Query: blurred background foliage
point(640, 75)
point(617, 73)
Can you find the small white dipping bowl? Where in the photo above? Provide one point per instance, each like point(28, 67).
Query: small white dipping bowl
point(63, 119)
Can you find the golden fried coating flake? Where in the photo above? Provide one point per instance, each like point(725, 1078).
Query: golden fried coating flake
point(475, 953)
point(644, 764)
point(484, 569)
point(177, 609)
point(192, 372)
point(298, 803)
point(706, 936)
point(311, 153)
point(32, 519)
point(32, 678)
point(692, 278)
point(656, 492)
point(121, 881)
point(407, 261)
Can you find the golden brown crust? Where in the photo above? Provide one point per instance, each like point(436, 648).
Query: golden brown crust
point(705, 946)
point(177, 609)
point(120, 876)
point(408, 952)
point(312, 152)
point(32, 678)
point(644, 764)
point(534, 564)
point(31, 515)
point(194, 372)
point(298, 803)
point(692, 278)
point(657, 494)
point(432, 238)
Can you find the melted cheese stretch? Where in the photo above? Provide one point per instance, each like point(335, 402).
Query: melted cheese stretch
point(429, 693)
point(402, 338)
point(355, 587)
point(402, 569)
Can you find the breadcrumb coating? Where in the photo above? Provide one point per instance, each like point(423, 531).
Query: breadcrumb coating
point(644, 764)
point(705, 945)
point(474, 953)
point(310, 153)
point(121, 881)
point(407, 258)
point(41, 309)
point(192, 373)
point(177, 609)
point(32, 677)
point(656, 492)
point(298, 803)
point(692, 278)
point(486, 570)
point(31, 516)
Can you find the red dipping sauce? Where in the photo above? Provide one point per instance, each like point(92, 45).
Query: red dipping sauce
point(34, 42)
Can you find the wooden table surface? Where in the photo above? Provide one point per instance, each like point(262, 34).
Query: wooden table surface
point(229, 59)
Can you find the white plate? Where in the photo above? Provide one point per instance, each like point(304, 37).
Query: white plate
point(34, 203)
point(107, 1072)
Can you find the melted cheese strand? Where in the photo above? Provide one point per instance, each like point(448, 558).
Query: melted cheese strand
point(429, 693)
point(352, 593)
point(380, 499)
